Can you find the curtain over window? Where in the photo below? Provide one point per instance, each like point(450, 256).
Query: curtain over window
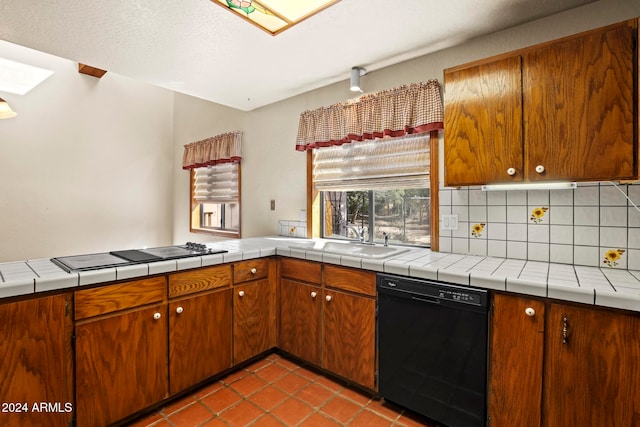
point(389, 163)
point(224, 148)
point(217, 184)
point(409, 109)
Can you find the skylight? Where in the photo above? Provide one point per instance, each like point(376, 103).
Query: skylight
point(275, 16)
point(19, 78)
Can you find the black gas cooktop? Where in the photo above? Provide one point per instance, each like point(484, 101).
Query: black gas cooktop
point(132, 256)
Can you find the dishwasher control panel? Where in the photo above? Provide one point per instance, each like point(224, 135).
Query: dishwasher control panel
point(459, 296)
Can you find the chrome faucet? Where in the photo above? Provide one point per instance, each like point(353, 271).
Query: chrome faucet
point(386, 238)
point(359, 231)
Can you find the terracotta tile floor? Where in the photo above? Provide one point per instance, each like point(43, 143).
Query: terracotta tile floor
point(278, 392)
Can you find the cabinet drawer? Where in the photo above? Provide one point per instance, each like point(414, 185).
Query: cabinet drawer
point(250, 270)
point(348, 279)
point(306, 271)
point(202, 279)
point(107, 299)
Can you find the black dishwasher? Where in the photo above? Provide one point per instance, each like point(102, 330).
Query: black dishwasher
point(432, 340)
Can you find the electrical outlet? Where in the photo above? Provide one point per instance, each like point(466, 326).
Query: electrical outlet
point(273, 205)
point(449, 222)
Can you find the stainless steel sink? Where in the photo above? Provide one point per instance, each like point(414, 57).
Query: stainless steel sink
point(359, 250)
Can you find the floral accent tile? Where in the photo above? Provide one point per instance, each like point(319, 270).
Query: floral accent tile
point(292, 231)
point(476, 230)
point(537, 214)
point(612, 256)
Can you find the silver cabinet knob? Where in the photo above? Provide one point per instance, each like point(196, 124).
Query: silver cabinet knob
point(529, 311)
point(179, 310)
point(314, 294)
point(539, 168)
point(328, 298)
point(157, 316)
point(241, 293)
point(511, 171)
point(254, 270)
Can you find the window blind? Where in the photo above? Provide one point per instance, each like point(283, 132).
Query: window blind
point(373, 165)
point(217, 184)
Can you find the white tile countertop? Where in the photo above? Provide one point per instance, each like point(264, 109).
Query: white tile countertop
point(609, 287)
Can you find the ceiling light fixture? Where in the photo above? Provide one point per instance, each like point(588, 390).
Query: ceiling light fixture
point(356, 72)
point(531, 186)
point(5, 110)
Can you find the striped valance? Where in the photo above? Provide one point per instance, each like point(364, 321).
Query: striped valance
point(224, 148)
point(408, 109)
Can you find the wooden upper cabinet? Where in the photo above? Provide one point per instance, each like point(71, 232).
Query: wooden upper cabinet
point(483, 123)
point(579, 107)
point(562, 110)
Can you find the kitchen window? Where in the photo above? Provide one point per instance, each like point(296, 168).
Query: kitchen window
point(215, 199)
point(374, 189)
point(214, 189)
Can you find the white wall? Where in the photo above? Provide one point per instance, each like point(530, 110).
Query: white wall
point(86, 165)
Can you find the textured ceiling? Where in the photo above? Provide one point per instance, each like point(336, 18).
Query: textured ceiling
point(201, 49)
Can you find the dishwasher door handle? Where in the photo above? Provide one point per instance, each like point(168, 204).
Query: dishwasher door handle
point(426, 299)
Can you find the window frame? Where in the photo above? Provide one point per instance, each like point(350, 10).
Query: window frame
point(314, 199)
point(227, 233)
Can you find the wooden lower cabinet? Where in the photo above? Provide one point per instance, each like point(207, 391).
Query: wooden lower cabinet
point(562, 365)
point(199, 338)
point(348, 336)
point(515, 361)
point(300, 319)
point(591, 367)
point(254, 320)
point(121, 365)
point(35, 350)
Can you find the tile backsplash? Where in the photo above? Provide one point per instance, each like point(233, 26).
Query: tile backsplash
point(593, 225)
point(292, 228)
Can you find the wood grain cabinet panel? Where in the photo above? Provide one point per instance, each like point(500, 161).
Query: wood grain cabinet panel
point(300, 311)
point(253, 269)
point(562, 110)
point(121, 365)
point(305, 271)
point(515, 361)
point(119, 296)
point(350, 279)
point(348, 337)
point(199, 338)
point(483, 123)
point(579, 107)
point(198, 280)
point(254, 320)
point(35, 350)
point(591, 361)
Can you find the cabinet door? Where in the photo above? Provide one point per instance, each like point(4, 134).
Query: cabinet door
point(300, 308)
point(199, 338)
point(579, 107)
point(515, 361)
point(591, 366)
point(35, 346)
point(348, 340)
point(254, 322)
point(121, 365)
point(483, 123)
